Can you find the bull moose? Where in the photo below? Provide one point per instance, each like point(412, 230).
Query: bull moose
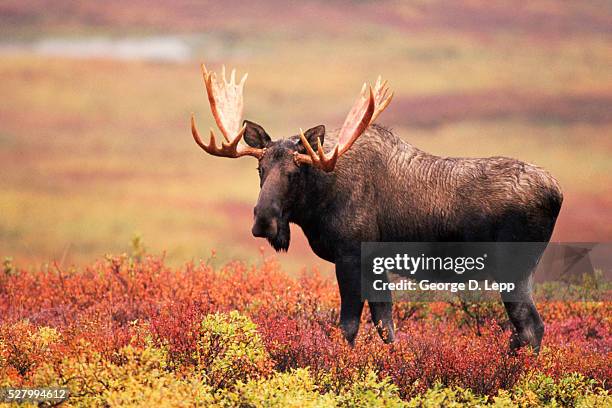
point(365, 184)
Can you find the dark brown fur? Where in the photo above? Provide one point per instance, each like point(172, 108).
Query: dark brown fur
point(384, 189)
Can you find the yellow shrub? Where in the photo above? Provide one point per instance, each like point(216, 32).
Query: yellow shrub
point(297, 388)
point(24, 347)
point(572, 390)
point(371, 392)
point(139, 378)
point(161, 391)
point(292, 389)
point(229, 349)
point(448, 397)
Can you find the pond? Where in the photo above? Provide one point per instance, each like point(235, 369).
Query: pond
point(150, 48)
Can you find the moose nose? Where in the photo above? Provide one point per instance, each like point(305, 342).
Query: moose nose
point(265, 228)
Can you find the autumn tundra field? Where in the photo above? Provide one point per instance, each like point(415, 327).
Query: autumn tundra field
point(129, 272)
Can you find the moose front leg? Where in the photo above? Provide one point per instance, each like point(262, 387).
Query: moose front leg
point(349, 282)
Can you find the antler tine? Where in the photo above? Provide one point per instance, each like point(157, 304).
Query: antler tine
point(226, 103)
point(243, 80)
point(227, 149)
point(357, 120)
point(369, 105)
point(210, 147)
point(319, 158)
point(234, 142)
point(381, 99)
point(307, 145)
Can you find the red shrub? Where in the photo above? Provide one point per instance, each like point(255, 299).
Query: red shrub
point(119, 301)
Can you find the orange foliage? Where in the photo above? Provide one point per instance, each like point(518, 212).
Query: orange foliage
point(48, 315)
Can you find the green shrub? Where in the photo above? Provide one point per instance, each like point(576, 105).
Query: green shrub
point(295, 388)
point(572, 390)
point(229, 349)
point(371, 392)
point(440, 396)
point(138, 378)
point(161, 391)
point(603, 400)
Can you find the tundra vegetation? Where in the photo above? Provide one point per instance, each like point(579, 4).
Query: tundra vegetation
point(132, 331)
point(93, 151)
point(471, 80)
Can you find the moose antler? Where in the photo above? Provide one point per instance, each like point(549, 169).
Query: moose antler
point(226, 104)
point(382, 97)
point(366, 109)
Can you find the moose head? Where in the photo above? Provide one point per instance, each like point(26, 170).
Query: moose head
point(284, 163)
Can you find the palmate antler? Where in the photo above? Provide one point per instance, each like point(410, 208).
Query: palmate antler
point(366, 109)
point(226, 103)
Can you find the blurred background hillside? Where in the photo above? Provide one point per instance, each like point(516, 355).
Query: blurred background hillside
point(95, 100)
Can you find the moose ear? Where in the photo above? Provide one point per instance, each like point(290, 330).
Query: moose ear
point(312, 134)
point(255, 135)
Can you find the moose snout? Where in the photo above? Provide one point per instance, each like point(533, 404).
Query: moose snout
point(266, 224)
point(265, 227)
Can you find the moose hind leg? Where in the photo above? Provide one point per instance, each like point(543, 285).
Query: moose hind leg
point(382, 317)
point(529, 328)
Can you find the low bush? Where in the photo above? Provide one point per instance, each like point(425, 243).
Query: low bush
point(229, 349)
point(134, 332)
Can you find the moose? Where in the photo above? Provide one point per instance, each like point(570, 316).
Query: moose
point(365, 184)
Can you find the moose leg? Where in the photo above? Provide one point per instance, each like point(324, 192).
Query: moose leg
point(529, 328)
point(383, 320)
point(349, 281)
